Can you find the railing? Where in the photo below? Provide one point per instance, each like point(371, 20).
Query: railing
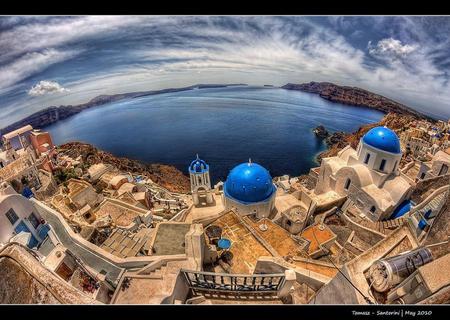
point(226, 283)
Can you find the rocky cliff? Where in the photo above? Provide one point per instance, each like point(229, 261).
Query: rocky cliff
point(354, 96)
point(338, 140)
point(166, 176)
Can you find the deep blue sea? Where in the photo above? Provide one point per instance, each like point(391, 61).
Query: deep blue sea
point(225, 126)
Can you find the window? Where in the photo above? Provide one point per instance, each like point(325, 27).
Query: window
point(372, 210)
point(289, 223)
point(12, 216)
point(366, 160)
point(444, 170)
point(33, 220)
point(395, 165)
point(382, 164)
point(347, 184)
point(422, 175)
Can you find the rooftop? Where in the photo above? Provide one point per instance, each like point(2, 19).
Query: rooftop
point(277, 237)
point(170, 238)
point(317, 234)
point(16, 132)
point(245, 248)
point(122, 213)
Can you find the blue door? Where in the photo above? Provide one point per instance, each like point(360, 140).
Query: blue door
point(23, 227)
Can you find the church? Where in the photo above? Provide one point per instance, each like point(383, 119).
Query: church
point(248, 189)
point(368, 176)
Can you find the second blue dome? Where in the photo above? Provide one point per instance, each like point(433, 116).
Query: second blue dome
point(383, 138)
point(249, 183)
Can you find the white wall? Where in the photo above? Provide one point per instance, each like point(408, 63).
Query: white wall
point(23, 208)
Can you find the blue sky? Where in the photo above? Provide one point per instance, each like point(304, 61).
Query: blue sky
point(57, 60)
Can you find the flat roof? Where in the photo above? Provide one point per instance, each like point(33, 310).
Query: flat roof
point(277, 237)
point(246, 249)
point(316, 234)
point(170, 238)
point(16, 132)
point(123, 214)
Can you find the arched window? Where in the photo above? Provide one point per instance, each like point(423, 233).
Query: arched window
point(372, 209)
point(382, 164)
point(347, 184)
point(367, 158)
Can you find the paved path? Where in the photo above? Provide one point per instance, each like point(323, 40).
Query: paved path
point(88, 257)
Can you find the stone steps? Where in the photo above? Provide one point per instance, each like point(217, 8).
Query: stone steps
point(388, 226)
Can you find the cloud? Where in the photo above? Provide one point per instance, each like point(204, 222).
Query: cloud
point(46, 87)
point(391, 47)
point(31, 63)
point(119, 54)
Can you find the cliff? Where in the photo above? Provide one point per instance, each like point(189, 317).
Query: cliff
point(338, 140)
point(166, 176)
point(354, 96)
point(53, 114)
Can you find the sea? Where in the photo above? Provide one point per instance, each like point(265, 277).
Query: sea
point(224, 126)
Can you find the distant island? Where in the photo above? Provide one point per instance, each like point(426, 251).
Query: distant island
point(354, 96)
point(332, 92)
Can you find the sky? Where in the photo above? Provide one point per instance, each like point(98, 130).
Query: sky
point(61, 60)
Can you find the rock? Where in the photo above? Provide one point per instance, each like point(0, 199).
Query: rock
point(354, 96)
point(167, 176)
point(321, 132)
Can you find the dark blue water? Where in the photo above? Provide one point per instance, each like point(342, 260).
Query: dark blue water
point(225, 126)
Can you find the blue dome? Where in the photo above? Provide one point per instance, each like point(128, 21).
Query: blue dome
point(249, 183)
point(383, 138)
point(198, 166)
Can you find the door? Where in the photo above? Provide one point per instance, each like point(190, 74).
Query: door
point(23, 227)
point(444, 170)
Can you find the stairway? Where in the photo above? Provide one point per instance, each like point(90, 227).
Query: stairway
point(152, 287)
point(434, 205)
point(387, 226)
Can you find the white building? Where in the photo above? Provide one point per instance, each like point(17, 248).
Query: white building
point(17, 214)
point(200, 182)
point(438, 166)
point(369, 176)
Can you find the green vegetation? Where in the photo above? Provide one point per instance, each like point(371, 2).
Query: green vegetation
point(62, 175)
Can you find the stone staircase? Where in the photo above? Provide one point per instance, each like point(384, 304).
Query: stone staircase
point(150, 287)
point(388, 226)
point(435, 204)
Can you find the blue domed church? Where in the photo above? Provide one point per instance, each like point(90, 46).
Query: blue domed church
point(249, 190)
point(368, 176)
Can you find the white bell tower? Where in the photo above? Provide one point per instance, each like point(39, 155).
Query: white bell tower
point(200, 182)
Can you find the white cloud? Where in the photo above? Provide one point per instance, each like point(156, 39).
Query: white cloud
point(47, 33)
point(46, 87)
point(256, 50)
point(30, 64)
point(391, 47)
